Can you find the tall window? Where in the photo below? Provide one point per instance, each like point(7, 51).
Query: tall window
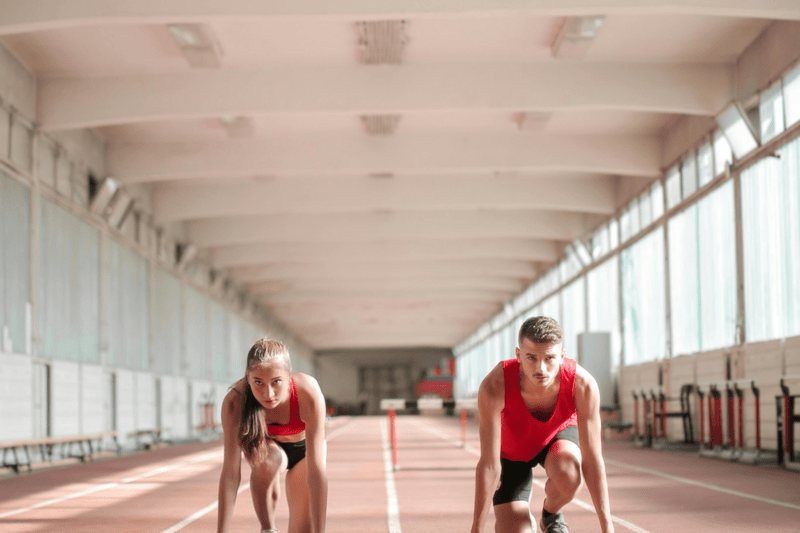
point(573, 316)
point(128, 309)
point(771, 245)
point(702, 258)
point(643, 299)
point(602, 286)
point(15, 262)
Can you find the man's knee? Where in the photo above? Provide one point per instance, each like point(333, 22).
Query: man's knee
point(563, 466)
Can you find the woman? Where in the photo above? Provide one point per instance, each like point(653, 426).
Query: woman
point(277, 420)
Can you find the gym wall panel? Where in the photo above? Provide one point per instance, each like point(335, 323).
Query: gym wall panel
point(792, 356)
point(202, 393)
point(65, 403)
point(763, 361)
point(222, 391)
point(218, 340)
point(145, 400)
point(174, 407)
point(16, 397)
point(126, 405)
point(93, 399)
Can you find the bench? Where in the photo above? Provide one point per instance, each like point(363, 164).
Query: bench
point(81, 447)
point(146, 438)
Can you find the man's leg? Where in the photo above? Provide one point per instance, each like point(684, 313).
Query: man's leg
point(514, 517)
point(512, 500)
point(563, 468)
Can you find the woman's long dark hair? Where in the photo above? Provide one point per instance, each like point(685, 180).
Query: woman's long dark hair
point(252, 429)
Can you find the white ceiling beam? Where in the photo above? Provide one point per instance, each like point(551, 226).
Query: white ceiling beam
point(426, 153)
point(390, 226)
point(350, 252)
point(37, 15)
point(288, 271)
point(355, 90)
point(176, 201)
point(387, 283)
point(460, 295)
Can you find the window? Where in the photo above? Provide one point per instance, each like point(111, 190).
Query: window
point(602, 287)
point(644, 299)
point(771, 245)
point(15, 262)
point(646, 209)
point(770, 112)
point(689, 176)
point(128, 309)
point(723, 155)
point(791, 96)
point(673, 187)
point(737, 130)
point(573, 320)
point(657, 194)
point(705, 164)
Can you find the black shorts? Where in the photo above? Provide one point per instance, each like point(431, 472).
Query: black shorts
point(295, 451)
point(516, 477)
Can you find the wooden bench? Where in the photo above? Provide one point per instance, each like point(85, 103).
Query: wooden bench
point(146, 438)
point(81, 447)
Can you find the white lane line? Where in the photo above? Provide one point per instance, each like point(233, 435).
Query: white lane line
point(392, 509)
point(210, 507)
point(199, 514)
point(113, 484)
point(704, 485)
point(580, 503)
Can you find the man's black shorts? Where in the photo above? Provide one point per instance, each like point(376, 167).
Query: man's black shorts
point(516, 477)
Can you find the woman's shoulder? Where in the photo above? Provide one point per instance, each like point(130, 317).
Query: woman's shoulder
point(306, 385)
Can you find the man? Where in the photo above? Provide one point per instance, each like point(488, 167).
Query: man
point(538, 409)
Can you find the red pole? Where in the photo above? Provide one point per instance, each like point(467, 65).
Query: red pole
point(758, 423)
point(393, 437)
point(464, 427)
point(663, 417)
point(636, 415)
point(741, 421)
point(702, 424)
point(655, 425)
point(731, 421)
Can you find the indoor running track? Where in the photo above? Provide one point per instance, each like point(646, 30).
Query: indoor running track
point(174, 489)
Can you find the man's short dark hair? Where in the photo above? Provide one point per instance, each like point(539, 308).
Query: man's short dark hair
point(540, 329)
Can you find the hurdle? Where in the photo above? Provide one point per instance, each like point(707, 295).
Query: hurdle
point(742, 453)
point(392, 405)
point(787, 418)
point(642, 434)
point(662, 414)
point(716, 440)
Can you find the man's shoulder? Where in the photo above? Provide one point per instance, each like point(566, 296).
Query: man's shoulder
point(494, 383)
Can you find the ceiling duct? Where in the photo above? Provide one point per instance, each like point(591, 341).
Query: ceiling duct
point(197, 44)
point(238, 127)
point(575, 36)
point(381, 42)
point(380, 124)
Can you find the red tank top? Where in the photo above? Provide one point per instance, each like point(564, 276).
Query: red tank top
point(295, 425)
point(522, 436)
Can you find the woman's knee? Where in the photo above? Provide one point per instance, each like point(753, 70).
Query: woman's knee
point(269, 459)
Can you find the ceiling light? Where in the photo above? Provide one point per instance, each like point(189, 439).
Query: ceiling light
point(575, 36)
point(198, 44)
point(238, 127)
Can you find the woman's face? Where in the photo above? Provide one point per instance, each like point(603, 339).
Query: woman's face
point(270, 383)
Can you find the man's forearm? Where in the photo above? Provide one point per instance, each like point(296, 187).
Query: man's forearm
point(486, 478)
point(595, 476)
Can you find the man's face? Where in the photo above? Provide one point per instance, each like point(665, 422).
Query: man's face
point(540, 362)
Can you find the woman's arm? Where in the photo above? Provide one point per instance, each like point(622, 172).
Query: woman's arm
point(312, 412)
point(231, 474)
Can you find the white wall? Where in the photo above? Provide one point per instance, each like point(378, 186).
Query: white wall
point(65, 389)
point(93, 391)
point(16, 397)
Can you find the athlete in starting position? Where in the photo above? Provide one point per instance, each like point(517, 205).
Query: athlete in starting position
point(538, 409)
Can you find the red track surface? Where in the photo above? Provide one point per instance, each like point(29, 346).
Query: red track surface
point(174, 489)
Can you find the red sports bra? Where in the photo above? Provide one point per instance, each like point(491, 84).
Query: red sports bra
point(295, 425)
point(523, 436)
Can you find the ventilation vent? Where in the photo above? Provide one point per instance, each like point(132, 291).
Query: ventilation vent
point(380, 124)
point(381, 42)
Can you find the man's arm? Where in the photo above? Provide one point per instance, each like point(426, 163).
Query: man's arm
point(312, 412)
point(491, 398)
point(587, 405)
point(231, 474)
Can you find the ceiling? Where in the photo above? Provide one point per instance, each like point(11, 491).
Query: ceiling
point(389, 194)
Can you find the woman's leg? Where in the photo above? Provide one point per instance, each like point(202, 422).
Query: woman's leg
point(298, 496)
point(265, 482)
